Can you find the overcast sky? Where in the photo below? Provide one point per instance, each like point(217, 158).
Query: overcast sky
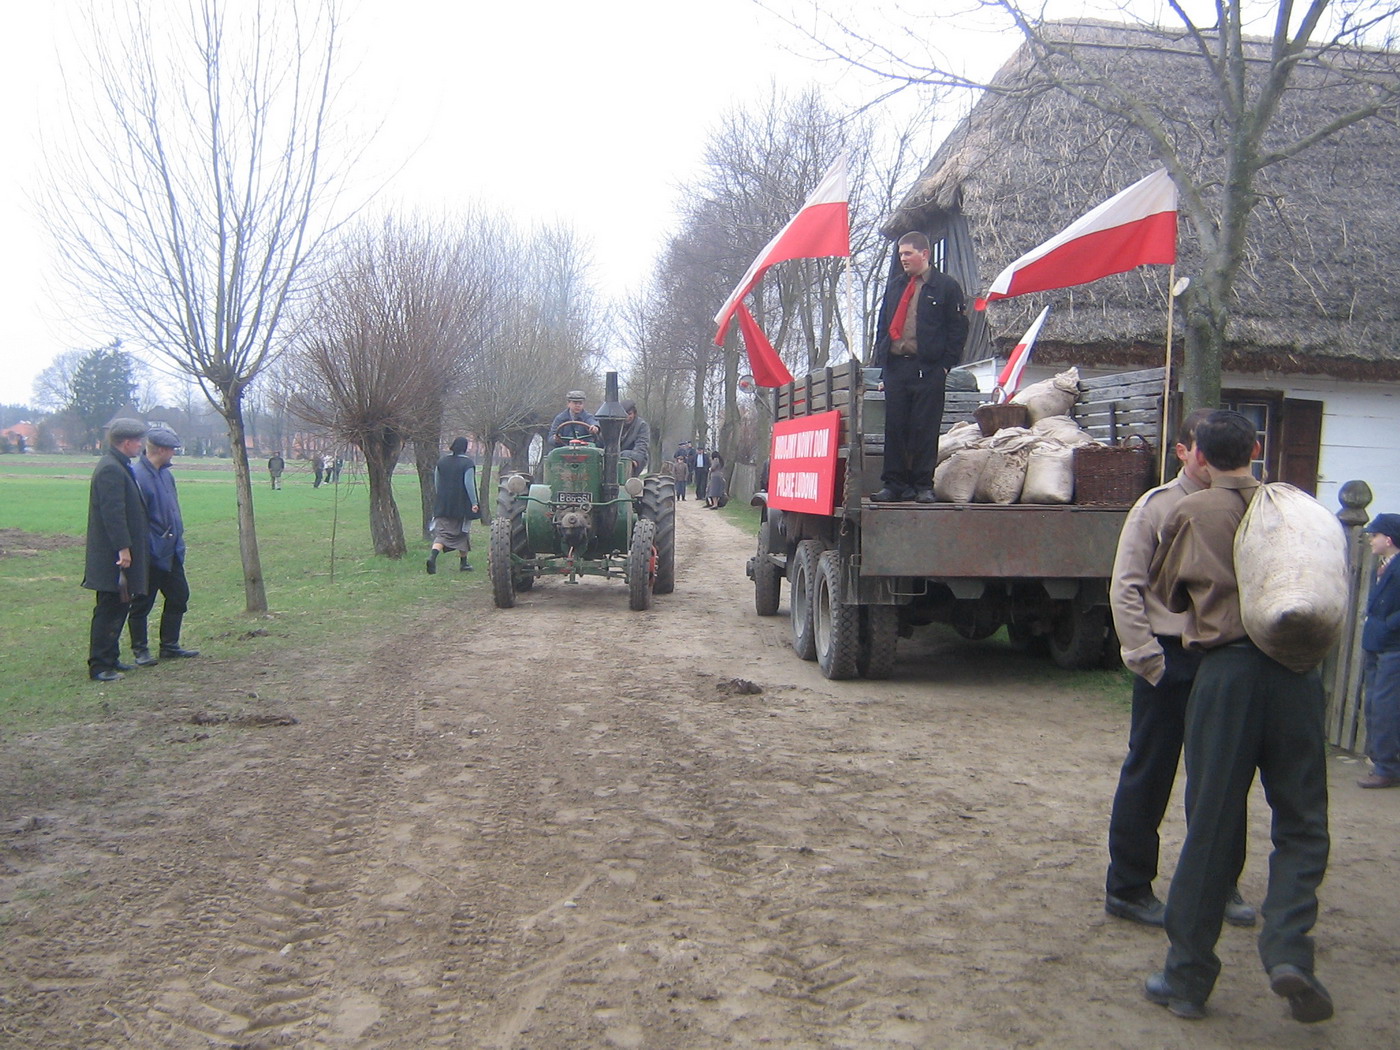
point(590, 112)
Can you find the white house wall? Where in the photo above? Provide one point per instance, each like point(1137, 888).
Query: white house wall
point(1360, 426)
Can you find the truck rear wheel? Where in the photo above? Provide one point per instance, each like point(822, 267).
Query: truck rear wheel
point(641, 565)
point(767, 580)
point(879, 635)
point(1076, 639)
point(498, 562)
point(659, 507)
point(837, 624)
point(802, 576)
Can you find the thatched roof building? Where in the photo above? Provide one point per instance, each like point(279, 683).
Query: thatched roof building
point(1315, 294)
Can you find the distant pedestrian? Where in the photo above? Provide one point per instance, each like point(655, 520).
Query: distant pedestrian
point(457, 505)
point(336, 464)
point(318, 465)
point(275, 466)
point(166, 537)
point(701, 469)
point(716, 490)
point(117, 556)
point(680, 469)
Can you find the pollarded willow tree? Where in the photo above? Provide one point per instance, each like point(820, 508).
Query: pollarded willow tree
point(187, 195)
point(1271, 80)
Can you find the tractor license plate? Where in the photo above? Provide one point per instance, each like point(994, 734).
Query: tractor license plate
point(581, 498)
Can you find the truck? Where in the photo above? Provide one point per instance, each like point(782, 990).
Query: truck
point(861, 575)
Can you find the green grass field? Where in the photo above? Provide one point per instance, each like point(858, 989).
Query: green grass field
point(324, 588)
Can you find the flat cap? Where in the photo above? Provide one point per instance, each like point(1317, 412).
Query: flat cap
point(124, 429)
point(1386, 525)
point(574, 395)
point(164, 437)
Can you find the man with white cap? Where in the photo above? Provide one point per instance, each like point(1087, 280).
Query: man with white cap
point(166, 540)
point(117, 557)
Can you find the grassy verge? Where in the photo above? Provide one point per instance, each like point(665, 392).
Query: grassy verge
point(324, 588)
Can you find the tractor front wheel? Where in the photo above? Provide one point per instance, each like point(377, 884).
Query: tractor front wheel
point(498, 561)
point(659, 507)
point(641, 565)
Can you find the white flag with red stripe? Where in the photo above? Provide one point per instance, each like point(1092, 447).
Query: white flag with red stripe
point(1010, 379)
point(1135, 227)
point(820, 229)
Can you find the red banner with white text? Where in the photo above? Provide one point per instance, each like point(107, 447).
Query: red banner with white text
point(802, 468)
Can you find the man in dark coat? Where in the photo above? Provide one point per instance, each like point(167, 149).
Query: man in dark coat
point(636, 438)
point(457, 505)
point(923, 325)
point(166, 539)
point(117, 556)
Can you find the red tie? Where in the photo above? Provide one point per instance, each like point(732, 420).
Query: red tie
point(902, 310)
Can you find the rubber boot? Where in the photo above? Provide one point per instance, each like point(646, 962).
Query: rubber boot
point(432, 561)
point(466, 566)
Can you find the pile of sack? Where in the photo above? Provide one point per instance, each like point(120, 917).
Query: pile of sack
point(1032, 464)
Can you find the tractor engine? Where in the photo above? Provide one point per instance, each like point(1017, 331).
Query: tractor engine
point(574, 525)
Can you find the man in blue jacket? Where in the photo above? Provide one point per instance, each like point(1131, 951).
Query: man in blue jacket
point(166, 540)
point(1380, 642)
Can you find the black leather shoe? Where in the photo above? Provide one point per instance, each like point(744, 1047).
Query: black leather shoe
point(888, 495)
point(106, 676)
point(923, 496)
point(125, 667)
point(176, 653)
point(1237, 912)
point(1156, 990)
point(144, 658)
point(1149, 910)
point(1307, 999)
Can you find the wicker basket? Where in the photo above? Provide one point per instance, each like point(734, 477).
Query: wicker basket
point(991, 418)
point(1112, 475)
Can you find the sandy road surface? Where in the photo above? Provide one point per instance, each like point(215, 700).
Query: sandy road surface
point(564, 826)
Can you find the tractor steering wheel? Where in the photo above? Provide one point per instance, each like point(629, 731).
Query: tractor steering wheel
point(587, 430)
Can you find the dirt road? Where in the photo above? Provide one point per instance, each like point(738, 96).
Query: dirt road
point(569, 826)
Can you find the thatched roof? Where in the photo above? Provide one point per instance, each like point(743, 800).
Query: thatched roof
point(1315, 293)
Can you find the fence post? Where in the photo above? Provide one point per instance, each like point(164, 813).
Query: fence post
point(1342, 671)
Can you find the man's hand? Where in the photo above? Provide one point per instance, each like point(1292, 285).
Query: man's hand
point(124, 558)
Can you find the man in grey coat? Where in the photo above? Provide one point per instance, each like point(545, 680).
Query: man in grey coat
point(118, 558)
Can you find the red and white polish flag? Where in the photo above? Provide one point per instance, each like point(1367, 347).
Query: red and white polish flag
point(820, 229)
point(1135, 227)
point(1010, 379)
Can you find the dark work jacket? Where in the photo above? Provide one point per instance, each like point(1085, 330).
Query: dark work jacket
point(1382, 631)
point(456, 489)
point(941, 319)
point(116, 519)
point(167, 527)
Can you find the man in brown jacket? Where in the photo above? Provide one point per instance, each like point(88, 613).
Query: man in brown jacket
point(1246, 712)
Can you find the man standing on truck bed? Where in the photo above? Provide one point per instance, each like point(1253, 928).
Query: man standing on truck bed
point(923, 325)
point(1150, 636)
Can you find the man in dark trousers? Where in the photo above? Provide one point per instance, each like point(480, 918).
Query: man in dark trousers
point(117, 557)
point(166, 538)
point(923, 326)
point(1150, 637)
point(1246, 712)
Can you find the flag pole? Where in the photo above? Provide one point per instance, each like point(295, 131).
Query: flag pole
point(855, 328)
point(1167, 377)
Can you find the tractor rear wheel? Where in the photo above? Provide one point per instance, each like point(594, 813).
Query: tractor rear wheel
point(837, 624)
point(641, 565)
point(767, 580)
point(498, 561)
point(802, 575)
point(659, 507)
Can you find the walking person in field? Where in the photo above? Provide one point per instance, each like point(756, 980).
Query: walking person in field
point(456, 507)
point(166, 537)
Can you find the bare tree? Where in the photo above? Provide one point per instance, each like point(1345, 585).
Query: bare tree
point(384, 339)
point(1250, 59)
point(187, 199)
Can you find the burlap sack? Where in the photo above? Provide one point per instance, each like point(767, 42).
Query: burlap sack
point(1010, 439)
point(1050, 397)
point(1062, 429)
point(1291, 564)
point(1049, 475)
point(1002, 477)
point(959, 437)
point(955, 480)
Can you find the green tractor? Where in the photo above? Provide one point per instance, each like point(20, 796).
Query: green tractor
point(586, 516)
